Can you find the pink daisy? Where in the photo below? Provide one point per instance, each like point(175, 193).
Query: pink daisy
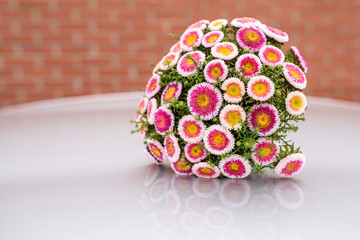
point(232, 116)
point(163, 120)
point(234, 193)
point(150, 156)
point(275, 33)
point(156, 150)
point(218, 140)
point(142, 108)
point(251, 38)
point(201, 25)
point(215, 69)
point(172, 148)
point(153, 86)
point(260, 88)
point(296, 103)
point(290, 165)
point(212, 38)
point(217, 24)
point(245, 21)
point(191, 38)
point(303, 64)
point(265, 117)
point(251, 63)
point(271, 55)
point(204, 100)
point(195, 152)
point(186, 67)
point(182, 167)
point(234, 90)
point(171, 91)
point(294, 75)
point(157, 68)
point(152, 107)
point(225, 50)
point(190, 129)
point(235, 166)
point(176, 48)
point(205, 170)
point(169, 60)
point(268, 151)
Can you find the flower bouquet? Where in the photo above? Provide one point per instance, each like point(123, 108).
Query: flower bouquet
point(223, 100)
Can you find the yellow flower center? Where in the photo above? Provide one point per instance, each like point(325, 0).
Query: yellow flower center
point(169, 60)
point(182, 165)
point(224, 50)
point(192, 128)
point(189, 62)
point(217, 24)
point(170, 148)
point(234, 167)
point(295, 74)
point(260, 88)
point(218, 140)
point(191, 39)
point(263, 120)
point(233, 90)
point(141, 106)
point(205, 170)
point(252, 36)
point(296, 102)
point(249, 66)
point(291, 167)
point(212, 38)
point(265, 151)
point(170, 93)
point(276, 30)
point(177, 48)
point(203, 100)
point(233, 118)
point(153, 84)
point(215, 72)
point(156, 151)
point(195, 151)
point(271, 56)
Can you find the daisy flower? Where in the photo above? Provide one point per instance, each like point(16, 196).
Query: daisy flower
point(218, 140)
point(265, 117)
point(268, 151)
point(190, 129)
point(260, 88)
point(217, 24)
point(195, 152)
point(232, 116)
point(245, 21)
point(152, 107)
point(294, 75)
point(205, 188)
point(250, 62)
point(156, 150)
point(215, 69)
point(251, 38)
point(182, 167)
point(271, 55)
point(301, 60)
point(171, 91)
point(190, 38)
point(169, 60)
point(296, 103)
point(290, 165)
point(186, 67)
point(225, 50)
point(205, 170)
point(234, 193)
point(153, 86)
point(275, 33)
point(201, 25)
point(234, 90)
point(142, 108)
point(212, 38)
point(204, 100)
point(176, 48)
point(156, 69)
point(150, 156)
point(163, 120)
point(235, 166)
point(143, 130)
point(172, 149)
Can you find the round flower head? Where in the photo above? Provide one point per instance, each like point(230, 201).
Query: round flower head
point(251, 38)
point(271, 56)
point(290, 165)
point(218, 140)
point(232, 116)
point(215, 69)
point(205, 170)
point(260, 88)
point(142, 108)
point(212, 38)
point(152, 86)
point(171, 91)
point(204, 100)
point(190, 38)
point(225, 50)
point(195, 152)
point(275, 33)
point(156, 150)
point(217, 24)
point(176, 48)
point(234, 90)
point(201, 25)
point(169, 60)
point(234, 193)
point(150, 156)
point(268, 151)
point(245, 21)
point(186, 66)
point(235, 166)
point(296, 103)
point(163, 120)
point(143, 130)
point(294, 75)
point(190, 129)
point(157, 68)
point(251, 64)
point(152, 107)
point(301, 60)
point(172, 148)
point(265, 117)
point(182, 167)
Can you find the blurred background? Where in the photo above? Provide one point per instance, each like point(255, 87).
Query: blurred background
point(61, 48)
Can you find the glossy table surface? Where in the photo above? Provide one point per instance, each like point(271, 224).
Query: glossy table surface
point(70, 169)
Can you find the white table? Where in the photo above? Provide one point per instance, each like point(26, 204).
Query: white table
point(70, 169)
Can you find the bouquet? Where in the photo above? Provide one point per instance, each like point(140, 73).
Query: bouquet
point(222, 101)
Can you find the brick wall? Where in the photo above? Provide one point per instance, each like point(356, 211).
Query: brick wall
point(60, 48)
